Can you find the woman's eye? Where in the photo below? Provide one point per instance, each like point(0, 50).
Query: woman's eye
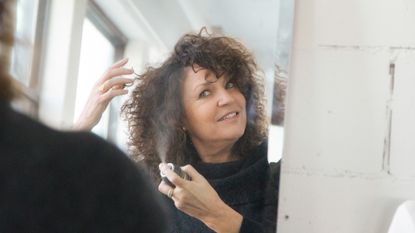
point(204, 93)
point(230, 85)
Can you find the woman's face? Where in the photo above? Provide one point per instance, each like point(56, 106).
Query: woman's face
point(214, 108)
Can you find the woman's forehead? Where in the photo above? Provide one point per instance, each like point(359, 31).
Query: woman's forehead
point(200, 74)
point(192, 79)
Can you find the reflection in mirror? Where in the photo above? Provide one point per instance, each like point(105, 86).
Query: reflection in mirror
point(183, 109)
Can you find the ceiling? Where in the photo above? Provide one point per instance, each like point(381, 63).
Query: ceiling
point(254, 22)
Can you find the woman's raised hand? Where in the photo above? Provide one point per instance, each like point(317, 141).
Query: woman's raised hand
point(198, 199)
point(110, 85)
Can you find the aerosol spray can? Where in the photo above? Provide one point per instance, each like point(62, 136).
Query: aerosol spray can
point(178, 171)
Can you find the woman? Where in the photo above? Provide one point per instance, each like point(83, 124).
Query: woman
point(202, 109)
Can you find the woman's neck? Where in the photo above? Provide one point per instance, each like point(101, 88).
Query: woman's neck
point(215, 152)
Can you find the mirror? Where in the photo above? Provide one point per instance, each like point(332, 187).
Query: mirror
point(101, 32)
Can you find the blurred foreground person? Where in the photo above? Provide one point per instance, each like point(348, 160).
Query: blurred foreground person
point(64, 182)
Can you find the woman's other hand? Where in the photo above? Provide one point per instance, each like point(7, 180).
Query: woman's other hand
point(110, 85)
point(198, 199)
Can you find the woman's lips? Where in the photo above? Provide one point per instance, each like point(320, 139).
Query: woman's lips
point(229, 116)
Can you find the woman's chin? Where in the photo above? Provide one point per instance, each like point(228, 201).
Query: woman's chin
point(233, 137)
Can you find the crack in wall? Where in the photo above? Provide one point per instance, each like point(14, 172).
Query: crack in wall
point(365, 47)
point(389, 113)
point(347, 174)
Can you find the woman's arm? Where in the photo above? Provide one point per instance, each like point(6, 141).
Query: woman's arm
point(224, 219)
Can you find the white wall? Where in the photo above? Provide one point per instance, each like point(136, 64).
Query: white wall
point(349, 156)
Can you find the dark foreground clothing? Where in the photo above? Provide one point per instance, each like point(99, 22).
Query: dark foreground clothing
point(69, 182)
point(249, 186)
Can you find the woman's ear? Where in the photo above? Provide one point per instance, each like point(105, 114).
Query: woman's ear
point(184, 125)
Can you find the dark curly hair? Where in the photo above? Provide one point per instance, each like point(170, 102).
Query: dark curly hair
point(7, 17)
point(155, 110)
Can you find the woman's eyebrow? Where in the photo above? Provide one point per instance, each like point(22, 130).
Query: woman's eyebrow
point(206, 80)
point(206, 83)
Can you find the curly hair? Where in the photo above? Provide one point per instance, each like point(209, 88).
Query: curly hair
point(155, 111)
point(7, 16)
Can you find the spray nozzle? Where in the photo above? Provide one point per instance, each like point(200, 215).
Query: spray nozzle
point(178, 171)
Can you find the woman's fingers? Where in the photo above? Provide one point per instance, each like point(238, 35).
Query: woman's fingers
point(109, 95)
point(119, 63)
point(116, 83)
point(114, 72)
point(191, 171)
point(164, 188)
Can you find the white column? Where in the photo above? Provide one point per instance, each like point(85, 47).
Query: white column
point(349, 151)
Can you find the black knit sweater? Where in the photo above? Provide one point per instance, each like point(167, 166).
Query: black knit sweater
point(52, 181)
point(249, 186)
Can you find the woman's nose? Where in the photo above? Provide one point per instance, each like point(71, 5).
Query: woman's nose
point(224, 97)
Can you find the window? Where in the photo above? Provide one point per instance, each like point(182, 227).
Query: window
point(30, 19)
point(102, 44)
point(22, 54)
